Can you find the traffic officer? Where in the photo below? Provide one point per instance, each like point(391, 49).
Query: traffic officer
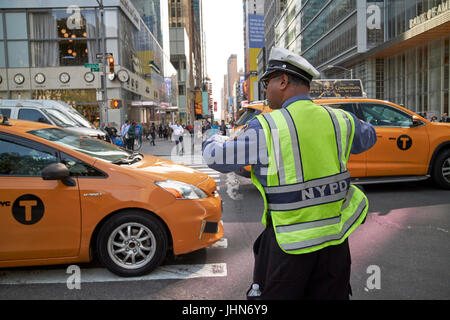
point(299, 155)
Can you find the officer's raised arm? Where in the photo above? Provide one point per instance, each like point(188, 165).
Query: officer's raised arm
point(226, 154)
point(365, 136)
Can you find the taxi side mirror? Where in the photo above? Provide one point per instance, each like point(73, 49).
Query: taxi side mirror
point(58, 171)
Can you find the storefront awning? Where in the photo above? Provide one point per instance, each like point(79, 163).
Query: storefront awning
point(145, 104)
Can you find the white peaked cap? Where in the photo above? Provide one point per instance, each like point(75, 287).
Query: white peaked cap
point(281, 59)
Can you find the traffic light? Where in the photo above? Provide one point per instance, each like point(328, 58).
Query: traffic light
point(115, 104)
point(111, 64)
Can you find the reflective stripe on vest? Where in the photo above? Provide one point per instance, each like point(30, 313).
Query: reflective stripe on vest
point(320, 240)
point(337, 128)
point(276, 143)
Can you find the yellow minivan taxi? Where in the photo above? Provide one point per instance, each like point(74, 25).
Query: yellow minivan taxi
point(65, 198)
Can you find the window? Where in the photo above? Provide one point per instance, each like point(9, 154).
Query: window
point(91, 146)
point(6, 112)
point(381, 115)
point(78, 168)
point(32, 115)
point(21, 160)
point(16, 29)
point(18, 54)
point(349, 107)
point(181, 90)
point(16, 25)
point(60, 37)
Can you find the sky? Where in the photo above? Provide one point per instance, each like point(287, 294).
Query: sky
point(223, 27)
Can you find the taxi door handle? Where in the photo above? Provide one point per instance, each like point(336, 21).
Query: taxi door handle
point(392, 138)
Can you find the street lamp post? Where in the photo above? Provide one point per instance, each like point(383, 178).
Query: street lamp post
point(104, 105)
point(331, 66)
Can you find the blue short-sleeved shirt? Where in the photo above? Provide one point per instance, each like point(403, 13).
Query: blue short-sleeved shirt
point(249, 148)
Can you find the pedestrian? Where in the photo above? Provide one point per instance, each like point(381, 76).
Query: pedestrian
point(160, 131)
point(178, 136)
point(131, 136)
point(299, 154)
point(445, 118)
point(124, 132)
point(153, 133)
point(223, 128)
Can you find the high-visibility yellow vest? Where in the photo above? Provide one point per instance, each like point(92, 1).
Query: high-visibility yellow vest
point(311, 201)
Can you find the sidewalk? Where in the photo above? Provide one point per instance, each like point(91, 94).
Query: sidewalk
point(167, 149)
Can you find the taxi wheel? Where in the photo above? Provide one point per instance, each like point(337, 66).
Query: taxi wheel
point(441, 170)
point(132, 244)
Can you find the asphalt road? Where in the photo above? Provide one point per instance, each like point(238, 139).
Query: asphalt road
point(401, 252)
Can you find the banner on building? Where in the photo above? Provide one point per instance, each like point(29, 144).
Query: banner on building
point(198, 103)
point(205, 102)
point(256, 30)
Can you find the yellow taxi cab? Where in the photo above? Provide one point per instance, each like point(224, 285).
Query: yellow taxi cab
point(408, 147)
point(66, 198)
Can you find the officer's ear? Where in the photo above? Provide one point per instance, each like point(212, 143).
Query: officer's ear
point(284, 81)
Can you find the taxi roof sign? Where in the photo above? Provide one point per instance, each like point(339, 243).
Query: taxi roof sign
point(335, 88)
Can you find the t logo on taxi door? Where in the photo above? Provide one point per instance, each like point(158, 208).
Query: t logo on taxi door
point(28, 209)
point(404, 142)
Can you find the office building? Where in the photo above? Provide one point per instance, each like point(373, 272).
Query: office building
point(53, 50)
point(399, 49)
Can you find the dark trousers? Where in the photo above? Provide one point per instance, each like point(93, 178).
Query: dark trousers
point(129, 144)
point(323, 274)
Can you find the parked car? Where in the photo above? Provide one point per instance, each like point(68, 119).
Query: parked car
point(50, 112)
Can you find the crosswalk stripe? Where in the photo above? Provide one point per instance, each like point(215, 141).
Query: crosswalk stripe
point(88, 275)
point(222, 243)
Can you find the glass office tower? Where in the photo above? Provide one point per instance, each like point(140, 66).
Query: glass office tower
point(399, 48)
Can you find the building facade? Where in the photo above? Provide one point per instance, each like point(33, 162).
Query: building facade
point(187, 14)
point(398, 48)
point(53, 50)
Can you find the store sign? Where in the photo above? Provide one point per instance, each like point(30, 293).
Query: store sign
point(331, 88)
point(431, 13)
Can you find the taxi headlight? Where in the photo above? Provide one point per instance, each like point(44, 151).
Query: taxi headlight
point(181, 190)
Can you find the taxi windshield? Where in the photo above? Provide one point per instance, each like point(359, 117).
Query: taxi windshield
point(93, 147)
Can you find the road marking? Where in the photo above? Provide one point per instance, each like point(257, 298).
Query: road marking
point(88, 275)
point(222, 243)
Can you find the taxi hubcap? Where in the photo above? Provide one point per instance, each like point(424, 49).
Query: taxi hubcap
point(131, 245)
point(446, 169)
